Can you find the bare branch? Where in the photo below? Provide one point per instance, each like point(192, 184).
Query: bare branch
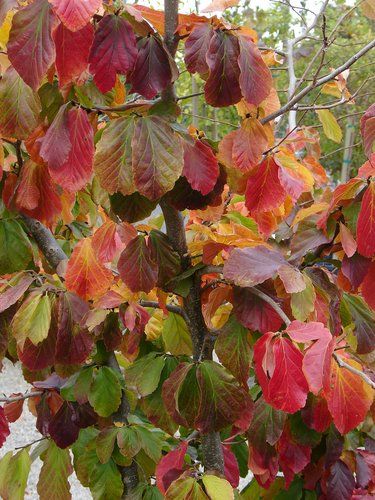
point(341, 149)
point(319, 82)
point(22, 397)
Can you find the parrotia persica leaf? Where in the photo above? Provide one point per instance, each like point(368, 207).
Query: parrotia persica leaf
point(76, 171)
point(142, 154)
point(248, 267)
point(201, 167)
point(15, 291)
point(30, 47)
point(233, 349)
point(168, 260)
point(206, 397)
point(317, 358)
point(105, 392)
point(264, 190)
point(72, 52)
point(185, 487)
point(106, 241)
point(56, 144)
point(113, 51)
point(75, 14)
point(154, 68)
point(176, 335)
point(278, 367)
point(222, 87)
point(137, 267)
point(217, 487)
point(15, 247)
point(4, 427)
point(340, 482)
point(144, 374)
point(53, 478)
point(32, 320)
point(255, 78)
point(366, 223)
point(330, 126)
point(15, 470)
point(348, 396)
point(85, 275)
point(171, 466)
point(20, 106)
point(243, 148)
point(252, 312)
point(196, 47)
point(267, 424)
point(364, 321)
point(368, 130)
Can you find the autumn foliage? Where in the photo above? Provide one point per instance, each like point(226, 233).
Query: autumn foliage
point(230, 332)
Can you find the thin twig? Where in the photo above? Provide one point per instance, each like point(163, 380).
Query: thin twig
point(13, 399)
point(170, 307)
point(272, 303)
point(30, 444)
point(341, 149)
point(189, 96)
point(351, 368)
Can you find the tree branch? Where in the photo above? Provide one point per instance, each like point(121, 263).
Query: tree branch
point(318, 83)
point(351, 368)
point(170, 307)
point(22, 397)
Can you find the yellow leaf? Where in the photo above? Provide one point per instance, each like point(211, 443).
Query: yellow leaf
point(332, 88)
point(306, 212)
point(5, 28)
point(217, 488)
point(330, 126)
point(32, 320)
point(154, 326)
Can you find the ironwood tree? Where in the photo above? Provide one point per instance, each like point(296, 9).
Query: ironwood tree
point(187, 311)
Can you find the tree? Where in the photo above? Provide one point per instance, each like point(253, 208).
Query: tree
point(233, 331)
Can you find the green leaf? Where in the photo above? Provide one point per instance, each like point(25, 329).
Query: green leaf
point(128, 441)
point(144, 374)
point(105, 443)
point(217, 487)
point(176, 336)
point(32, 320)
point(84, 451)
point(233, 349)
point(267, 424)
point(14, 472)
point(106, 482)
point(105, 392)
point(150, 441)
point(185, 487)
point(303, 303)
point(15, 247)
point(53, 481)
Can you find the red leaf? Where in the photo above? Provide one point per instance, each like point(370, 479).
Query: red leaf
point(368, 286)
point(278, 367)
point(248, 267)
point(13, 410)
point(366, 223)
point(15, 292)
point(200, 166)
point(349, 398)
point(72, 52)
point(264, 464)
point(136, 265)
point(73, 343)
point(106, 241)
point(231, 469)
point(113, 51)
point(30, 48)
point(222, 87)
point(316, 414)
point(264, 191)
point(293, 457)
point(76, 171)
point(85, 275)
point(255, 77)
point(196, 47)
point(252, 312)
point(154, 68)
point(368, 130)
point(56, 145)
point(75, 14)
point(171, 466)
point(62, 427)
point(348, 243)
point(4, 427)
point(355, 269)
point(38, 357)
point(318, 356)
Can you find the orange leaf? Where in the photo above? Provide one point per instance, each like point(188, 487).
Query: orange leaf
point(349, 397)
point(85, 275)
